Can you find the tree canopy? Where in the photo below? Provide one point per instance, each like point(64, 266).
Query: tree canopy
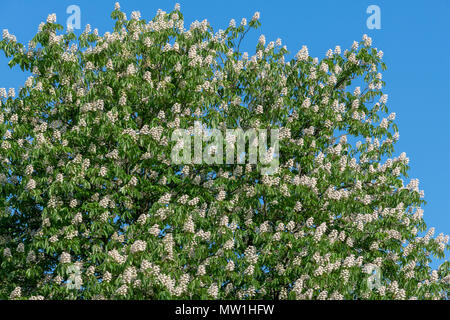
point(93, 207)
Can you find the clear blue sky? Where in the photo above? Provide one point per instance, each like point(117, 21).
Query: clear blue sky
point(414, 35)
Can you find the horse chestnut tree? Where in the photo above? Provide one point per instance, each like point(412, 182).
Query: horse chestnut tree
point(93, 206)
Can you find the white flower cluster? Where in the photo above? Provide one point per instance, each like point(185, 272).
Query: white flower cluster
point(303, 54)
point(8, 37)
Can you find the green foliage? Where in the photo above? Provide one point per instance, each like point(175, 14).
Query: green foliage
point(86, 178)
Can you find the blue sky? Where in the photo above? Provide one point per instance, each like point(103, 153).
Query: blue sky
point(414, 35)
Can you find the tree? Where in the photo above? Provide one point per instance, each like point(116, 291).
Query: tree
point(93, 205)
